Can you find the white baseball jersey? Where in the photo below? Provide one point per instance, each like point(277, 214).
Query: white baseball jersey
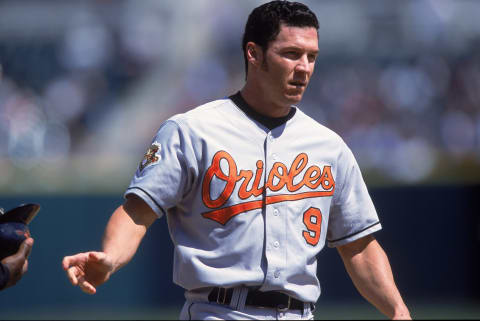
point(249, 206)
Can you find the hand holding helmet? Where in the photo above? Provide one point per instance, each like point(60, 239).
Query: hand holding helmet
point(15, 242)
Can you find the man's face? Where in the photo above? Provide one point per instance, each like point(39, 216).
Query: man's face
point(288, 64)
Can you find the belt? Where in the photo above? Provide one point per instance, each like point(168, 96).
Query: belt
point(271, 299)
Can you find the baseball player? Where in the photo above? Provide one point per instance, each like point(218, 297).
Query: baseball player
point(252, 189)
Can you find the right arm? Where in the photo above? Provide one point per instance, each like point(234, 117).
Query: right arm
point(126, 229)
point(124, 232)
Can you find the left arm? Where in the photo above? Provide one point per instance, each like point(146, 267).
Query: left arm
point(369, 268)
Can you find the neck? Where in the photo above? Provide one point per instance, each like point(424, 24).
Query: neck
point(261, 102)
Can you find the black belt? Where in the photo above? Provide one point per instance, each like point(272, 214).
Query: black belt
point(271, 299)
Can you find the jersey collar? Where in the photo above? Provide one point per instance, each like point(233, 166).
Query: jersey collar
point(268, 122)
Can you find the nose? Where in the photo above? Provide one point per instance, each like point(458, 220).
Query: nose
point(303, 65)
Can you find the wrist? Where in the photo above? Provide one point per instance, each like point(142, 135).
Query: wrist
point(401, 313)
point(113, 260)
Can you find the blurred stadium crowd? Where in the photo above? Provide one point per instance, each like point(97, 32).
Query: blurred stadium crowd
point(84, 85)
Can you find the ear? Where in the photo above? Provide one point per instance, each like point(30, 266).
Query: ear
point(254, 53)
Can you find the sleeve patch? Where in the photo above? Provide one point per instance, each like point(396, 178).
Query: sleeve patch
point(151, 156)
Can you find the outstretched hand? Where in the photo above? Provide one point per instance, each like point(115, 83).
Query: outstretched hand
point(123, 234)
point(88, 270)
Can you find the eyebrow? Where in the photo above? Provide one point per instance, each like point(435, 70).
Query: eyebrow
point(299, 48)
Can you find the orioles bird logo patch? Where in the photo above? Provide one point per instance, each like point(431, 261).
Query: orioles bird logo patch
point(150, 156)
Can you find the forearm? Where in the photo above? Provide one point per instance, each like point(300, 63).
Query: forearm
point(4, 276)
point(371, 273)
point(125, 231)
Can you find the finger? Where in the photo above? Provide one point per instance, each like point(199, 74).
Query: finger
point(72, 276)
point(25, 267)
point(86, 286)
point(66, 263)
point(69, 261)
point(25, 248)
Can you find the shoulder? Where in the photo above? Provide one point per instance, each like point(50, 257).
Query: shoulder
point(312, 127)
point(199, 120)
point(205, 113)
point(327, 142)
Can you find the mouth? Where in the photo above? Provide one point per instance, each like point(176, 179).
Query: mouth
point(298, 84)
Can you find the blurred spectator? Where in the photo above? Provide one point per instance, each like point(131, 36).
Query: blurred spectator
point(400, 83)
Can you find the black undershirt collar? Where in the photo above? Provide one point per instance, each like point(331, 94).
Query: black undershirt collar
point(269, 122)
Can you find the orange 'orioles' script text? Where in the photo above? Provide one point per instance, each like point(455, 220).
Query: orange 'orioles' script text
point(279, 177)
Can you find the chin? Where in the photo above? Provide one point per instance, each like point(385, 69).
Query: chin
point(294, 96)
point(294, 99)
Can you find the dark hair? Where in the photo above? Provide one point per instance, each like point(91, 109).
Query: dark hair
point(263, 24)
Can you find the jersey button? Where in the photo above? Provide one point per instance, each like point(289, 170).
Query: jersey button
point(276, 244)
point(275, 212)
point(276, 274)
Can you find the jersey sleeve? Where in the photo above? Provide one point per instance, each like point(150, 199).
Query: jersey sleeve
point(352, 213)
point(165, 174)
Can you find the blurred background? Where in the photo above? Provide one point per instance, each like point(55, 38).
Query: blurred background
point(84, 85)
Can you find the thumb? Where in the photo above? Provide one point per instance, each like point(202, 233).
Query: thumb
point(97, 256)
point(25, 248)
point(103, 259)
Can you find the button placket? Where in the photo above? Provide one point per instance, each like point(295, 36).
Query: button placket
point(275, 226)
